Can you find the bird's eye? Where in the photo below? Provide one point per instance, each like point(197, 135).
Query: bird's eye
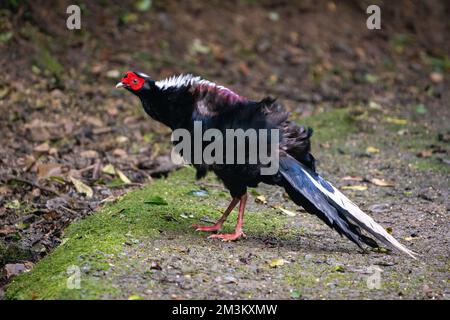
point(135, 81)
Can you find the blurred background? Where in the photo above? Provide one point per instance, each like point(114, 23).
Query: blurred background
point(70, 141)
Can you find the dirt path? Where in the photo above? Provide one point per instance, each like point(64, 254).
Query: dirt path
point(135, 250)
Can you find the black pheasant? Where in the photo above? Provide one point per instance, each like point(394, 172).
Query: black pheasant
point(182, 101)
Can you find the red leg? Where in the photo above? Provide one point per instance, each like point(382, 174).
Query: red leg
point(218, 225)
point(238, 231)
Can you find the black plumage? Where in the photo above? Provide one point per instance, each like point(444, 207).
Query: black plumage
point(179, 101)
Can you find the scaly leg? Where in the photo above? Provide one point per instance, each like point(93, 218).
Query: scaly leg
point(218, 225)
point(238, 230)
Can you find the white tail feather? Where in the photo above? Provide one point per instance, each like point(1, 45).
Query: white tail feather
point(355, 214)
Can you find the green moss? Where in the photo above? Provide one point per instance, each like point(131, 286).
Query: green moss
point(332, 125)
point(96, 241)
point(417, 139)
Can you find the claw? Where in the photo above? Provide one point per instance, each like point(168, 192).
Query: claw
point(228, 236)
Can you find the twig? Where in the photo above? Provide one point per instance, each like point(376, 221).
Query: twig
point(33, 184)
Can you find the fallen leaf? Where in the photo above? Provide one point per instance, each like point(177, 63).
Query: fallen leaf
point(356, 187)
point(278, 262)
point(374, 105)
point(143, 5)
point(421, 109)
point(135, 297)
point(381, 182)
point(82, 188)
point(261, 199)
point(42, 148)
point(274, 16)
point(339, 268)
point(13, 269)
point(47, 170)
point(123, 177)
point(287, 212)
point(5, 190)
point(370, 78)
point(109, 169)
point(90, 154)
point(14, 204)
point(97, 122)
point(371, 149)
point(410, 238)
point(113, 74)
point(157, 200)
point(353, 178)
point(396, 121)
point(122, 139)
point(389, 230)
point(119, 153)
point(7, 230)
point(425, 154)
point(295, 294)
point(436, 77)
point(198, 47)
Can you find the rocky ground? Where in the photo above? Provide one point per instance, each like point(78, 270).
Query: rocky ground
point(378, 101)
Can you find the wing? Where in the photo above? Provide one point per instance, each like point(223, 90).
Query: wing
point(212, 100)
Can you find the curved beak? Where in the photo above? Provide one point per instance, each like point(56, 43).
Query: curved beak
point(120, 85)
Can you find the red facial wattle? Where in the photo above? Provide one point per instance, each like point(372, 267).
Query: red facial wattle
point(133, 81)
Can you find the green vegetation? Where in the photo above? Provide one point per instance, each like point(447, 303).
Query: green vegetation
point(330, 125)
point(97, 240)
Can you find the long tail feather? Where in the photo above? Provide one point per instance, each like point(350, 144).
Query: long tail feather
point(321, 198)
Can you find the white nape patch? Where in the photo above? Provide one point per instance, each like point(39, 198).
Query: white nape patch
point(184, 80)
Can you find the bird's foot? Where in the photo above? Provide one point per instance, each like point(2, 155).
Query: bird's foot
point(228, 236)
point(212, 228)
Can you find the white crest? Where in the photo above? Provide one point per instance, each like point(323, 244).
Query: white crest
point(184, 80)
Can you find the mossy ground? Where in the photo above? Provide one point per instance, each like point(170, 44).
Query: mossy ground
point(132, 248)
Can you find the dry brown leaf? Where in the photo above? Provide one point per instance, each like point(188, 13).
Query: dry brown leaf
point(356, 187)
point(42, 148)
point(90, 154)
point(7, 230)
point(261, 199)
point(82, 188)
point(353, 178)
point(119, 153)
point(94, 121)
point(425, 154)
point(287, 212)
point(436, 77)
point(47, 170)
point(122, 139)
point(382, 183)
